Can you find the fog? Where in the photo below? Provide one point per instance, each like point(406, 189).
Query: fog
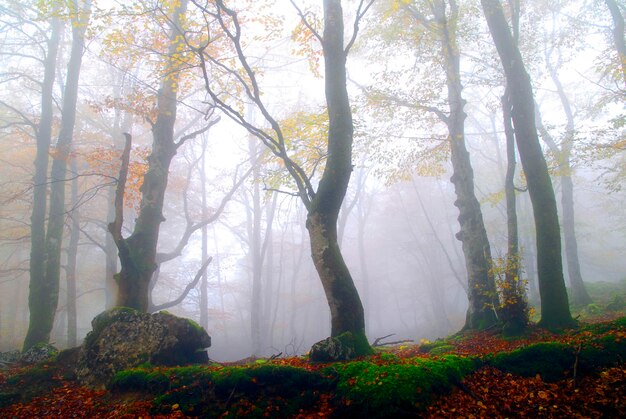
point(398, 222)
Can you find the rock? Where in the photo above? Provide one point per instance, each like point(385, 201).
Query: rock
point(9, 358)
point(38, 353)
point(124, 338)
point(333, 349)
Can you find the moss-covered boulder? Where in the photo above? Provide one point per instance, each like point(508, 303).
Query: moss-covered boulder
point(340, 348)
point(39, 353)
point(124, 338)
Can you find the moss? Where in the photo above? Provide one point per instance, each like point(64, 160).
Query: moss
point(32, 382)
point(203, 391)
point(552, 360)
point(32, 375)
point(357, 341)
point(442, 349)
point(429, 346)
point(371, 390)
point(599, 328)
point(606, 352)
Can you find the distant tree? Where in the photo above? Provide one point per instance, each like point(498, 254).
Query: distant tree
point(555, 311)
point(563, 150)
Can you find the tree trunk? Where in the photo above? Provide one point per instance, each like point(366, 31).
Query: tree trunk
point(72, 253)
point(256, 257)
point(204, 287)
point(58, 173)
point(578, 290)
point(138, 252)
point(483, 298)
point(343, 299)
point(554, 302)
point(40, 324)
point(110, 268)
point(514, 313)
point(618, 33)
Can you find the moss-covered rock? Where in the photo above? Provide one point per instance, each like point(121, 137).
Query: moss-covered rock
point(39, 353)
point(344, 347)
point(124, 338)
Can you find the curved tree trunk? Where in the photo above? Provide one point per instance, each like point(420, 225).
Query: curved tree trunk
point(343, 299)
point(554, 302)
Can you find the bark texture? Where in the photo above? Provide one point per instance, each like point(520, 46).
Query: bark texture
point(554, 301)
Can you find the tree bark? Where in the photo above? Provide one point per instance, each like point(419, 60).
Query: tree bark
point(72, 254)
point(204, 281)
point(515, 312)
point(579, 293)
point(555, 311)
point(40, 324)
point(346, 309)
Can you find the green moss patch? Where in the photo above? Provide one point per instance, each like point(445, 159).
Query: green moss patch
point(369, 390)
point(205, 391)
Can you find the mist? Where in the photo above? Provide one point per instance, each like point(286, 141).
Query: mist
point(231, 200)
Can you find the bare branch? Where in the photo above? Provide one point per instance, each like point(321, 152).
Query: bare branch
point(359, 15)
point(115, 227)
point(197, 132)
point(188, 288)
point(306, 22)
point(192, 228)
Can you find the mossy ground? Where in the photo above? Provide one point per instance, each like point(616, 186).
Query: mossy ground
point(404, 381)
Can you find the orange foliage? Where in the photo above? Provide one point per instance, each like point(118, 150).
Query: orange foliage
point(106, 161)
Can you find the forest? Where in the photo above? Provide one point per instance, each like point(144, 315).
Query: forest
point(385, 208)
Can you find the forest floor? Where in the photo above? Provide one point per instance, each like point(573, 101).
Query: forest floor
point(575, 373)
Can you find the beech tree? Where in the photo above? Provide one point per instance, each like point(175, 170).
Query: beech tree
point(137, 252)
point(555, 311)
point(324, 202)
